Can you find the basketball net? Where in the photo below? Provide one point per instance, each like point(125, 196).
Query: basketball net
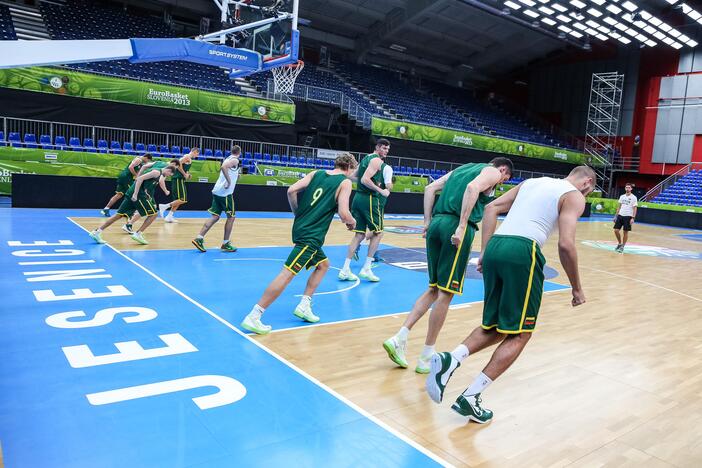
point(284, 77)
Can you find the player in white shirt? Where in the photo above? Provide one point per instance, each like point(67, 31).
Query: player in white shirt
point(222, 200)
point(512, 267)
point(625, 216)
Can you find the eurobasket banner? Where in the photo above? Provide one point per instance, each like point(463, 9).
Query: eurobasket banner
point(72, 83)
point(445, 136)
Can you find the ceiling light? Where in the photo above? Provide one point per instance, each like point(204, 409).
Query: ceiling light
point(686, 8)
point(548, 21)
point(592, 24)
point(564, 28)
point(699, 20)
point(580, 26)
point(615, 35)
point(601, 37)
point(512, 5)
point(641, 38)
point(544, 1)
point(591, 31)
point(623, 40)
point(531, 13)
point(595, 12)
point(563, 19)
point(614, 9)
point(620, 27)
point(683, 38)
point(672, 2)
point(663, 26)
point(546, 10)
point(578, 4)
point(695, 15)
point(398, 47)
point(528, 2)
point(631, 32)
point(645, 15)
point(659, 35)
point(650, 43)
point(576, 34)
point(650, 29)
point(598, 2)
point(667, 40)
point(654, 21)
point(610, 21)
point(604, 30)
point(640, 24)
point(559, 7)
point(692, 43)
point(630, 6)
point(674, 32)
point(676, 45)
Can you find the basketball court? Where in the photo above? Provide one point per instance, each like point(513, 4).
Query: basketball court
point(136, 350)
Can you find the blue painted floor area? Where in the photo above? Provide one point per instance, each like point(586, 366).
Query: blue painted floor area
point(694, 237)
point(231, 283)
point(48, 371)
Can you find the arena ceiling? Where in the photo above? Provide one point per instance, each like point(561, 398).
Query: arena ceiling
point(467, 40)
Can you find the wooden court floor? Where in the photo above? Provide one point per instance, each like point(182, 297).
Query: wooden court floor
point(615, 382)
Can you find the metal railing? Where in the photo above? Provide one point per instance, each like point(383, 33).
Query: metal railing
point(159, 139)
point(668, 182)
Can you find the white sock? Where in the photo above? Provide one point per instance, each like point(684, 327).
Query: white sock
point(403, 334)
point(225, 241)
point(347, 265)
point(106, 208)
point(428, 351)
point(256, 312)
point(306, 300)
point(460, 353)
point(367, 265)
point(98, 230)
point(480, 383)
point(200, 237)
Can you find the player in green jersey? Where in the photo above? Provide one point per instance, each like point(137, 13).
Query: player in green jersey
point(449, 230)
point(125, 179)
point(325, 193)
point(368, 210)
point(140, 198)
point(179, 193)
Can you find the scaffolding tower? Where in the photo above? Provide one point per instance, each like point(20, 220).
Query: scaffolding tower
point(602, 126)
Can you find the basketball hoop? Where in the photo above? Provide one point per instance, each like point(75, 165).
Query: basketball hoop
point(284, 77)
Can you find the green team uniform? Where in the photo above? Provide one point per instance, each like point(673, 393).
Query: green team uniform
point(513, 274)
point(367, 206)
point(178, 190)
point(145, 198)
point(447, 263)
point(312, 219)
point(125, 178)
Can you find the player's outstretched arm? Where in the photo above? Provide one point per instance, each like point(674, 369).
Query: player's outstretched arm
point(366, 178)
point(572, 206)
point(145, 168)
point(140, 180)
point(342, 200)
point(430, 192)
point(488, 178)
point(295, 188)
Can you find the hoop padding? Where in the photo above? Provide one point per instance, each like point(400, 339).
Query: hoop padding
point(284, 77)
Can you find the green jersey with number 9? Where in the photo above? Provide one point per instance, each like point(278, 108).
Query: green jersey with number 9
point(316, 209)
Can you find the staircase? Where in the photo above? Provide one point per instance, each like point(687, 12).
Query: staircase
point(28, 22)
point(382, 108)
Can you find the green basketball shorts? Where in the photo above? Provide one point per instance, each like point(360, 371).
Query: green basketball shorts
point(304, 256)
point(178, 190)
point(513, 274)
point(225, 204)
point(368, 213)
point(446, 262)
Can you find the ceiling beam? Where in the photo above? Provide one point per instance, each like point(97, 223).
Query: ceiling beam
point(396, 19)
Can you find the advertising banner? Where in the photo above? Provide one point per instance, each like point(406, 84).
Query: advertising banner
point(461, 139)
point(91, 86)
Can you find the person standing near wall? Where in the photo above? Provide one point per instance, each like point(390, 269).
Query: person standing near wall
point(625, 216)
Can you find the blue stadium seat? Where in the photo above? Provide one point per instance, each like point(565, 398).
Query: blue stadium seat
point(284, 160)
point(89, 146)
point(275, 159)
point(163, 150)
point(102, 146)
point(127, 148)
point(218, 154)
point(228, 153)
point(247, 155)
point(3, 142)
point(258, 157)
point(151, 148)
point(185, 150)
point(208, 153)
point(30, 140)
point(14, 139)
point(45, 142)
point(75, 145)
point(293, 161)
point(175, 151)
point(140, 148)
point(60, 142)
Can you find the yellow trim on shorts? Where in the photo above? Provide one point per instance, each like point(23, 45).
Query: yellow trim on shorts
point(432, 285)
point(528, 291)
point(452, 291)
point(295, 261)
point(321, 261)
point(356, 230)
point(117, 191)
point(455, 258)
point(505, 332)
